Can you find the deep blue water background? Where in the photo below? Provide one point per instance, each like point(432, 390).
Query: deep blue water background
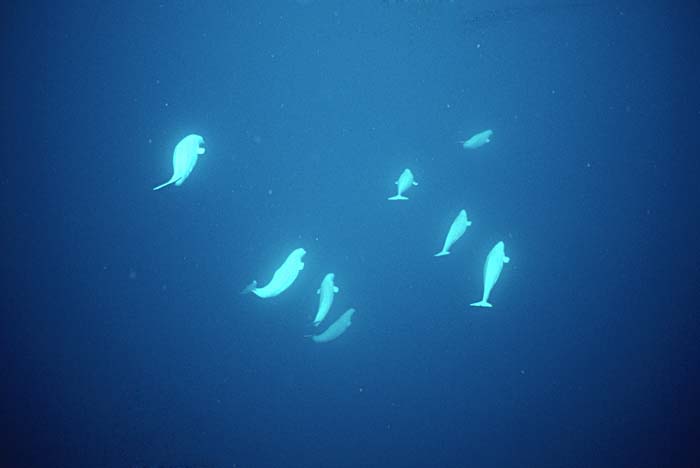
point(125, 341)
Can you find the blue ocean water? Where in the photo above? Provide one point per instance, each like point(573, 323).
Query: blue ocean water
point(125, 340)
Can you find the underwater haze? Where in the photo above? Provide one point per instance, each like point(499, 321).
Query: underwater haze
point(126, 341)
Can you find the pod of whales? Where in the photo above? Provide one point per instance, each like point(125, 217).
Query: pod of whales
point(336, 329)
point(457, 230)
point(185, 156)
point(404, 183)
point(326, 293)
point(492, 270)
point(282, 279)
point(480, 139)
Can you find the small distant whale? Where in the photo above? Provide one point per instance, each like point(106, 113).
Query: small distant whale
point(492, 270)
point(282, 279)
point(404, 183)
point(185, 157)
point(336, 329)
point(326, 293)
point(459, 226)
point(480, 139)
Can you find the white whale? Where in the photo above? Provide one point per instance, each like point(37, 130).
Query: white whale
point(185, 157)
point(480, 139)
point(492, 270)
point(282, 279)
point(336, 329)
point(404, 183)
point(326, 293)
point(459, 226)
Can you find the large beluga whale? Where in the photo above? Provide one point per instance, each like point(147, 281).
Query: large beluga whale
point(282, 279)
point(480, 139)
point(326, 293)
point(492, 270)
point(185, 157)
point(336, 329)
point(457, 230)
point(404, 183)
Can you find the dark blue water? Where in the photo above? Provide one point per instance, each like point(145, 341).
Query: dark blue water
point(125, 342)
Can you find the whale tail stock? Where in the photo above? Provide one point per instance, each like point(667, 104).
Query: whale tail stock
point(249, 289)
point(171, 181)
point(397, 197)
point(481, 303)
point(442, 253)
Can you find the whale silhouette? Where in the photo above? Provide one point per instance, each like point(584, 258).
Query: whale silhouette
point(336, 329)
point(480, 139)
point(457, 230)
point(326, 293)
point(185, 156)
point(404, 183)
point(492, 270)
point(282, 279)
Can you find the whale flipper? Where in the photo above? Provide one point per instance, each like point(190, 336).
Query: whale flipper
point(481, 304)
point(249, 289)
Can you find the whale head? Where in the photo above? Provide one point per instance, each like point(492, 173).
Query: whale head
point(201, 149)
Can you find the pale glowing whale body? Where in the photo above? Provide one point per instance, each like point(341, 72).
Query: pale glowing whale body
point(457, 230)
point(282, 279)
point(326, 293)
point(185, 157)
point(492, 270)
point(404, 183)
point(480, 139)
point(336, 329)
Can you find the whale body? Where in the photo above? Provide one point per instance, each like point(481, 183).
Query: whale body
point(336, 329)
point(459, 226)
point(492, 270)
point(326, 293)
point(404, 183)
point(185, 157)
point(480, 139)
point(282, 279)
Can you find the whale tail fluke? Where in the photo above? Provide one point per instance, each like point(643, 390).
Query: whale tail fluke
point(482, 303)
point(442, 253)
point(249, 289)
point(171, 181)
point(397, 197)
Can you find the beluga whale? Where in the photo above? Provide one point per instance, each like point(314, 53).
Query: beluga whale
point(336, 329)
point(480, 139)
point(185, 157)
point(326, 294)
point(281, 279)
point(404, 183)
point(457, 230)
point(492, 270)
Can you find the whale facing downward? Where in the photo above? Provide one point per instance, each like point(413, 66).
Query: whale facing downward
point(326, 294)
point(457, 230)
point(404, 183)
point(185, 157)
point(336, 329)
point(480, 139)
point(492, 270)
point(282, 279)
